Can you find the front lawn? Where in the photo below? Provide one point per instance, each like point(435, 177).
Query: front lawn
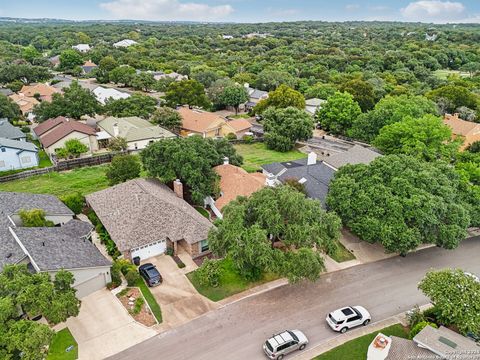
point(341, 253)
point(152, 302)
point(230, 282)
point(357, 348)
point(257, 154)
point(84, 180)
point(58, 347)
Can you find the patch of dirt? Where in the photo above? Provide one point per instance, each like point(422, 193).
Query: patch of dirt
point(128, 298)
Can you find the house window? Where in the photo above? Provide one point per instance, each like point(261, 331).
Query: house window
point(3, 149)
point(217, 132)
point(26, 159)
point(203, 245)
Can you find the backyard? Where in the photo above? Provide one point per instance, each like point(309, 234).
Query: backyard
point(84, 180)
point(257, 154)
point(230, 282)
point(63, 346)
point(357, 348)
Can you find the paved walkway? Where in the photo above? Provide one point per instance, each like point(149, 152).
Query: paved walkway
point(95, 238)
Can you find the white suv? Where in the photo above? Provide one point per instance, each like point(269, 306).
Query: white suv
point(284, 343)
point(348, 317)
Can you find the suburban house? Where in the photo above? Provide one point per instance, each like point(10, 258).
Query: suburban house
point(312, 105)
point(8, 131)
point(159, 75)
point(137, 131)
point(44, 92)
point(103, 94)
point(241, 126)
point(54, 60)
point(466, 130)
point(53, 134)
point(234, 182)
point(66, 246)
point(6, 91)
point(430, 343)
point(25, 103)
point(316, 175)
point(83, 48)
point(88, 66)
point(16, 154)
point(144, 217)
point(209, 125)
point(254, 96)
point(124, 43)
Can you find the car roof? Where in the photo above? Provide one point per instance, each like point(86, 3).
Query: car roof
point(280, 339)
point(343, 313)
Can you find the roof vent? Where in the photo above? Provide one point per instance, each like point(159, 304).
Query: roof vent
point(9, 255)
point(43, 243)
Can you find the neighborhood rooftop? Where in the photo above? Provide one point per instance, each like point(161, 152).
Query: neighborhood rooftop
point(9, 131)
point(15, 144)
point(134, 128)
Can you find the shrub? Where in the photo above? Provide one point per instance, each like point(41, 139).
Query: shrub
point(123, 168)
point(125, 266)
point(137, 307)
point(93, 217)
point(209, 273)
point(414, 316)
point(419, 327)
point(132, 276)
point(231, 136)
point(248, 139)
point(25, 129)
point(169, 251)
point(116, 278)
point(74, 202)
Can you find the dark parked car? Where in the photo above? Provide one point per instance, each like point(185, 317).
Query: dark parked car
point(150, 273)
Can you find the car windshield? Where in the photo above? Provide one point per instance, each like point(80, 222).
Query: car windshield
point(358, 312)
point(332, 318)
point(269, 347)
point(152, 272)
point(293, 336)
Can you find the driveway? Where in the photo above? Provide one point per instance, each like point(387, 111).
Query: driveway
point(104, 327)
point(178, 299)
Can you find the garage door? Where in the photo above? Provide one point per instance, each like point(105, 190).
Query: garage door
point(150, 250)
point(89, 286)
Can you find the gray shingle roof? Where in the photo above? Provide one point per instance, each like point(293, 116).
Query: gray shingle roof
point(65, 247)
point(134, 128)
point(355, 155)
point(8, 131)
point(402, 349)
point(17, 144)
point(141, 211)
point(317, 176)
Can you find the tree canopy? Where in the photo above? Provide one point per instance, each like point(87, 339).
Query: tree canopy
point(167, 118)
point(402, 202)
point(456, 298)
point(186, 92)
point(123, 168)
point(135, 105)
point(338, 114)
point(278, 230)
point(8, 109)
point(283, 127)
point(282, 97)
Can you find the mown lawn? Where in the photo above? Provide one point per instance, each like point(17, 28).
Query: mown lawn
point(443, 74)
point(357, 348)
point(257, 154)
point(84, 180)
point(147, 294)
point(230, 282)
point(61, 341)
point(44, 160)
point(342, 254)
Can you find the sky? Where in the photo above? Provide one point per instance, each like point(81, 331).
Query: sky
point(437, 11)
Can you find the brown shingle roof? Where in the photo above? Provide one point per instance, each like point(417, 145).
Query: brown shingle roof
point(25, 103)
point(199, 121)
point(141, 211)
point(461, 127)
point(49, 124)
point(240, 124)
point(61, 128)
point(235, 181)
point(45, 91)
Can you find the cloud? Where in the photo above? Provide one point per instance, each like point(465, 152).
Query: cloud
point(165, 10)
point(434, 10)
point(352, 7)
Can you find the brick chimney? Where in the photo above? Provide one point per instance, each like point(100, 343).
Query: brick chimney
point(178, 188)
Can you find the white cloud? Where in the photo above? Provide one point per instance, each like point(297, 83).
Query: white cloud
point(168, 10)
point(434, 11)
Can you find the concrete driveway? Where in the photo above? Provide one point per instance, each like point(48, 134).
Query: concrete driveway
point(179, 300)
point(104, 327)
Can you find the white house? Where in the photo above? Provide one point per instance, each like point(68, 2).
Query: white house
point(83, 48)
point(16, 154)
point(312, 105)
point(124, 43)
point(103, 94)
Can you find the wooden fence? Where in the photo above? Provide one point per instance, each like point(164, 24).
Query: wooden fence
point(62, 166)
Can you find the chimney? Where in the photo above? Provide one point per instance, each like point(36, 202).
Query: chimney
point(226, 161)
point(116, 131)
point(178, 188)
point(312, 158)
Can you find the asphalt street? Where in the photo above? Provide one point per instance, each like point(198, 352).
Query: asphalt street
point(238, 330)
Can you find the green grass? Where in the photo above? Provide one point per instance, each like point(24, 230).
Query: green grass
point(152, 302)
point(444, 74)
point(61, 341)
point(203, 211)
point(341, 253)
point(257, 154)
point(44, 160)
point(357, 348)
point(240, 116)
point(84, 180)
point(230, 282)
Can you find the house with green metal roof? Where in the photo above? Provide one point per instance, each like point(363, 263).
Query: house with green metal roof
point(137, 131)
